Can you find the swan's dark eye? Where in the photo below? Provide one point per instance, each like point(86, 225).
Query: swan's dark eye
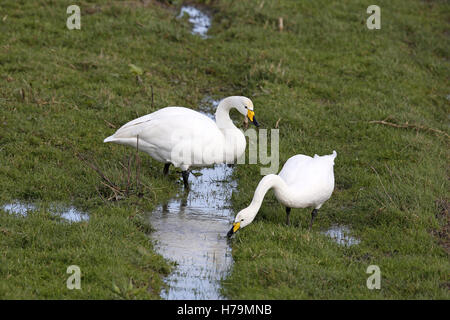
point(245, 107)
point(242, 220)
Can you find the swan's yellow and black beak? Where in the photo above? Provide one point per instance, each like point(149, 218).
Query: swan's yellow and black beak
point(233, 229)
point(251, 116)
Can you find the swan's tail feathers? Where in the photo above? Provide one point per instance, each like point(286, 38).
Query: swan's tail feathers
point(109, 139)
point(332, 156)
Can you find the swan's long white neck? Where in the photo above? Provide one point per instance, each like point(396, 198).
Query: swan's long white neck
point(266, 183)
point(223, 119)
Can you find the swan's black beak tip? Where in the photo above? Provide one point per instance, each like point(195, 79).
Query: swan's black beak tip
point(230, 233)
point(255, 122)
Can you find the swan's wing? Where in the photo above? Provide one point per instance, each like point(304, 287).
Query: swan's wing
point(167, 133)
point(303, 171)
point(134, 127)
point(293, 168)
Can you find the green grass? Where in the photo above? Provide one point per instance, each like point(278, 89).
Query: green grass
point(325, 75)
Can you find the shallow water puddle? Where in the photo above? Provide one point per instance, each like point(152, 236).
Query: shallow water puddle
point(208, 107)
point(19, 208)
point(73, 215)
point(69, 213)
point(200, 21)
point(340, 234)
point(191, 230)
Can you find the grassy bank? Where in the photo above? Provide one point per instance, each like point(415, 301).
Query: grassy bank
point(325, 75)
point(62, 92)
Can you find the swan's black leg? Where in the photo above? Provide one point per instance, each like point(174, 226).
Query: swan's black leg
point(185, 175)
point(313, 216)
point(288, 212)
point(166, 168)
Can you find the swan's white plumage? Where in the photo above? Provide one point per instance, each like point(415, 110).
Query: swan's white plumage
point(310, 181)
point(164, 132)
point(303, 182)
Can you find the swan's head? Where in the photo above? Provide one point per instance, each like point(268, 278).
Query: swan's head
point(243, 219)
point(245, 106)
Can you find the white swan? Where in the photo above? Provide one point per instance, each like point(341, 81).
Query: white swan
point(302, 182)
point(186, 138)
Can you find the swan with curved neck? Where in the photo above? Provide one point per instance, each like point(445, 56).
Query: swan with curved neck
point(187, 138)
point(302, 182)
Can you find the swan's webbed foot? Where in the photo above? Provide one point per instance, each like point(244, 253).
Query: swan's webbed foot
point(313, 216)
point(288, 212)
point(166, 168)
point(185, 175)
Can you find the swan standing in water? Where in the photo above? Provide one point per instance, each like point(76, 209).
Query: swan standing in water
point(187, 138)
point(302, 182)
